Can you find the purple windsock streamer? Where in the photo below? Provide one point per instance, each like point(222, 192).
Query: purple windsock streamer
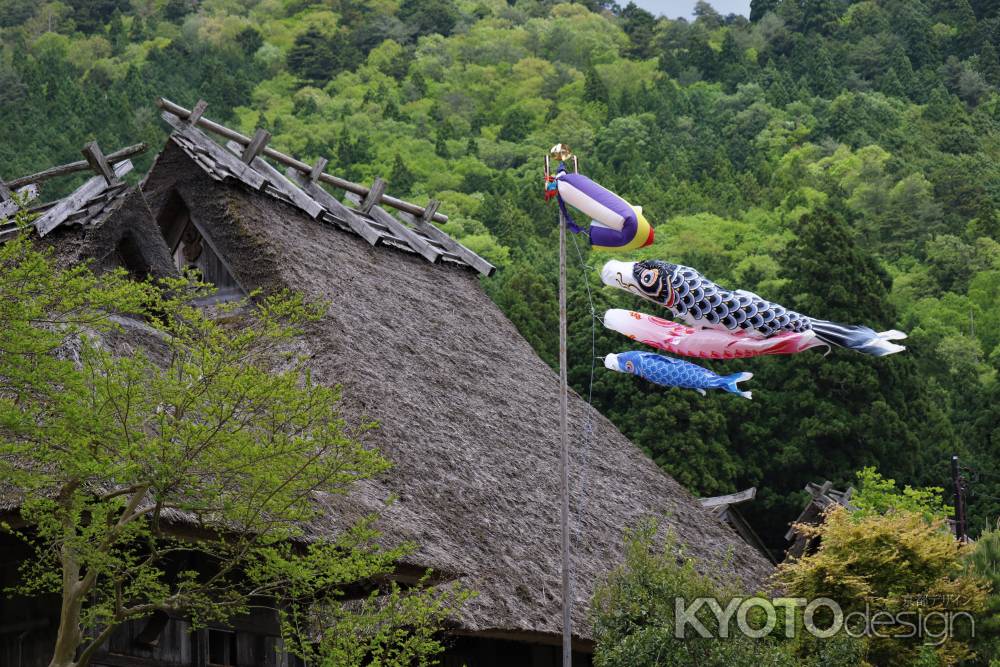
point(609, 238)
point(616, 224)
point(570, 222)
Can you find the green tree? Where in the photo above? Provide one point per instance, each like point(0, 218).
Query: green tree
point(215, 423)
point(594, 89)
point(878, 495)
point(249, 40)
point(989, 64)
point(640, 26)
point(401, 179)
point(635, 613)
point(984, 562)
point(760, 7)
point(316, 57)
point(516, 125)
point(895, 562)
point(429, 16)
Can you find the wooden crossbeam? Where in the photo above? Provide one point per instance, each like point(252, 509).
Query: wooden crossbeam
point(182, 114)
point(72, 167)
point(256, 145)
point(373, 197)
point(58, 214)
point(429, 211)
point(318, 169)
point(219, 154)
point(95, 158)
point(196, 112)
point(415, 241)
point(358, 225)
point(282, 184)
point(423, 225)
point(730, 499)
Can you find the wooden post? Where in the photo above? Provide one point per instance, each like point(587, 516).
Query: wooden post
point(956, 478)
point(318, 169)
point(196, 112)
point(562, 153)
point(95, 158)
point(185, 115)
point(567, 601)
point(373, 197)
point(256, 145)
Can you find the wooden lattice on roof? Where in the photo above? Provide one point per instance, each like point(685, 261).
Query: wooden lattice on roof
point(243, 159)
point(89, 204)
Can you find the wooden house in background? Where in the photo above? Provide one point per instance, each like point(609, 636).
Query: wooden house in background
point(822, 498)
point(463, 402)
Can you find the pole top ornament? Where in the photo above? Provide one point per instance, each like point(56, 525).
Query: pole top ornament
point(560, 152)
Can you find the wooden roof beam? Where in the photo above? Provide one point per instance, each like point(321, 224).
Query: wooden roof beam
point(424, 226)
point(256, 145)
point(196, 112)
point(373, 197)
point(414, 240)
point(223, 131)
point(72, 167)
point(94, 187)
point(95, 158)
point(355, 222)
point(318, 169)
point(730, 499)
point(282, 184)
point(219, 154)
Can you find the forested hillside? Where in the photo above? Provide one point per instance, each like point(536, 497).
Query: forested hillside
point(840, 157)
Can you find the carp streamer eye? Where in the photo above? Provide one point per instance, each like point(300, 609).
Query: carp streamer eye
point(648, 277)
point(629, 366)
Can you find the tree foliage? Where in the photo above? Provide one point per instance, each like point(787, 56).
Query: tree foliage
point(181, 475)
point(635, 617)
point(896, 562)
point(838, 156)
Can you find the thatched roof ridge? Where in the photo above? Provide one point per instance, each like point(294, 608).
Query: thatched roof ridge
point(465, 409)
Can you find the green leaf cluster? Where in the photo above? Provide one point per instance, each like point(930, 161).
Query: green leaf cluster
point(169, 458)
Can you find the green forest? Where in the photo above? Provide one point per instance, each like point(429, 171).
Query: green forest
point(839, 157)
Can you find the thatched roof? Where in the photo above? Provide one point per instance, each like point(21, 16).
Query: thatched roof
point(466, 412)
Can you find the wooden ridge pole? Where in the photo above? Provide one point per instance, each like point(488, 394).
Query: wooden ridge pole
point(287, 160)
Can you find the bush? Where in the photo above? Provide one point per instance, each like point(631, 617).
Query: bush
point(896, 562)
point(634, 613)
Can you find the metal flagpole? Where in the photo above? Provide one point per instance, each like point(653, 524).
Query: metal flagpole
point(562, 153)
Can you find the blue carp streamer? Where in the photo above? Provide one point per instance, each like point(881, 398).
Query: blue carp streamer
point(670, 372)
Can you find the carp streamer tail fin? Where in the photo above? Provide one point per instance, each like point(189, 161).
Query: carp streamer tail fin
point(729, 383)
point(858, 338)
